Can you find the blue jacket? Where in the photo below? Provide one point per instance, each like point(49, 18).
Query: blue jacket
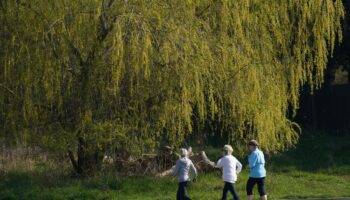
point(256, 161)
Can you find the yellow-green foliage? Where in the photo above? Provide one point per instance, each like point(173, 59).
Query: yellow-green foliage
point(146, 66)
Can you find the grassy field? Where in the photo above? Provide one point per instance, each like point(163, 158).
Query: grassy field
point(317, 167)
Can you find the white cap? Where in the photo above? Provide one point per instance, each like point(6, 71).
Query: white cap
point(183, 152)
point(228, 149)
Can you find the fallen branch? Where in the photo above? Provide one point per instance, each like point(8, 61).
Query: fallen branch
point(201, 162)
point(168, 172)
point(162, 164)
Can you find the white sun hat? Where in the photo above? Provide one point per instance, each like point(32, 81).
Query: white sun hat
point(183, 152)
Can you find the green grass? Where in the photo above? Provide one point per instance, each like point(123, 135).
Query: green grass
point(318, 167)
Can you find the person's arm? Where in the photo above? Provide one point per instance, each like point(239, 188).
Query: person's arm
point(193, 170)
point(252, 159)
point(262, 158)
point(219, 164)
point(239, 166)
point(177, 168)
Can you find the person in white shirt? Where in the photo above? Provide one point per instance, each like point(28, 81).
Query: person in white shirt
point(184, 166)
point(231, 168)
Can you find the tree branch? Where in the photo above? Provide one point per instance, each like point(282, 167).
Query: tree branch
point(103, 20)
point(18, 98)
point(75, 50)
point(1, 5)
point(9, 90)
point(103, 16)
point(74, 162)
point(40, 15)
point(57, 56)
point(198, 14)
point(110, 3)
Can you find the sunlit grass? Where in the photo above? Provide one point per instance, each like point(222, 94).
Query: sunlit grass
point(293, 184)
point(317, 168)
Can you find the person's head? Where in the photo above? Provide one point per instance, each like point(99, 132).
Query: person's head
point(183, 152)
point(252, 145)
point(227, 150)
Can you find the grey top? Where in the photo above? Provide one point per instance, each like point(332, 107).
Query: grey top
point(184, 166)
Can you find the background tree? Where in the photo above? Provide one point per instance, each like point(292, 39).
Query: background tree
point(90, 75)
point(329, 108)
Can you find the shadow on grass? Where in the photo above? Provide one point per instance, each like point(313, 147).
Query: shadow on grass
point(44, 185)
point(315, 153)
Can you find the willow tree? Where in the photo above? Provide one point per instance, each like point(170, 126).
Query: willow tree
point(131, 75)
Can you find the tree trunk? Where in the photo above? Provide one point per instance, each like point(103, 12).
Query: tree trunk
point(314, 112)
point(76, 167)
point(88, 160)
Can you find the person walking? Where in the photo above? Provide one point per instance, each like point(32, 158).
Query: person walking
point(257, 176)
point(231, 168)
point(183, 167)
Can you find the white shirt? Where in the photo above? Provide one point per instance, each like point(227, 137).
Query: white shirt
point(231, 167)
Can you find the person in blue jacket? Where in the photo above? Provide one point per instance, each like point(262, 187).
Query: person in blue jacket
point(257, 176)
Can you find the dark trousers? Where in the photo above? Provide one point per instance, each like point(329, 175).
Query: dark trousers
point(261, 185)
point(229, 187)
point(181, 191)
